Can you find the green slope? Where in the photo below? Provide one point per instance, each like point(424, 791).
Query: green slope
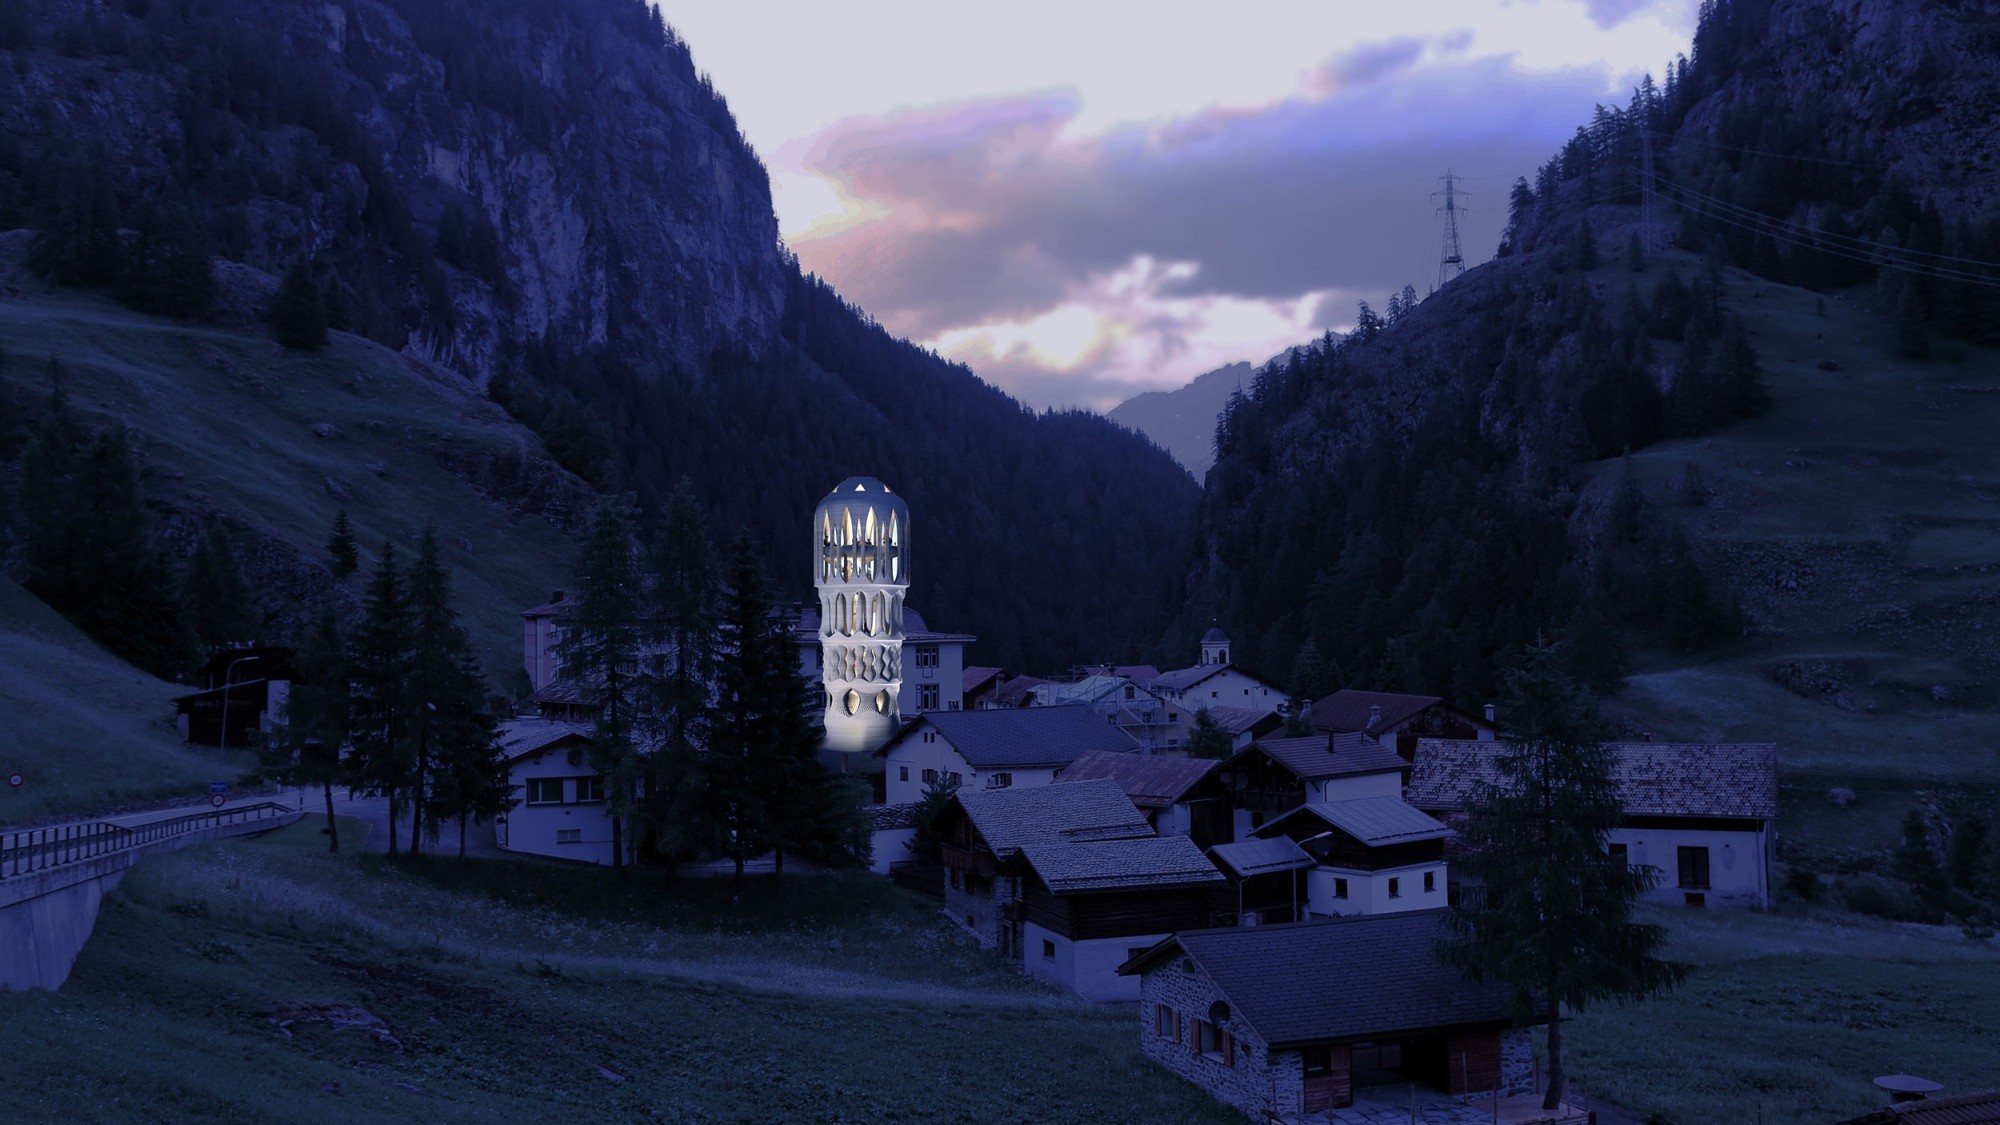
point(84, 728)
point(227, 424)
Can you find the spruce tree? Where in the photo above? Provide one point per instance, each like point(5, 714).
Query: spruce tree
point(1208, 739)
point(683, 663)
point(603, 637)
point(742, 736)
point(298, 310)
point(306, 750)
point(470, 782)
point(340, 545)
point(380, 658)
point(1549, 911)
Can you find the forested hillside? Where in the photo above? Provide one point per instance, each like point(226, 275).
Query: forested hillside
point(1404, 507)
point(547, 197)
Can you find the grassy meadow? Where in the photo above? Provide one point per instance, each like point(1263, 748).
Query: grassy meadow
point(226, 422)
point(267, 981)
point(85, 729)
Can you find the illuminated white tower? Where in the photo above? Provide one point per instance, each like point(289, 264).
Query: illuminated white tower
point(861, 536)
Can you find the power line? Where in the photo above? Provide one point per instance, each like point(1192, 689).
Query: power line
point(1691, 138)
point(1791, 239)
point(1855, 241)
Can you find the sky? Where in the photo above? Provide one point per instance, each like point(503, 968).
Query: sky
point(1086, 199)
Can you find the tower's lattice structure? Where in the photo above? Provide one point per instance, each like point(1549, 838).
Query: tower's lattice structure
point(1451, 262)
point(862, 573)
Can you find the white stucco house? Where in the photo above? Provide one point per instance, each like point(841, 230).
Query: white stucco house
point(1702, 815)
point(1372, 855)
point(1215, 682)
point(1015, 748)
point(561, 810)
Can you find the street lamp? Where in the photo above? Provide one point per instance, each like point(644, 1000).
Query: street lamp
point(222, 737)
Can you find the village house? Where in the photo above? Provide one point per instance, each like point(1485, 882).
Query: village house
point(1088, 905)
point(1267, 877)
point(561, 809)
point(978, 684)
point(1372, 855)
point(1273, 776)
point(981, 830)
point(1398, 721)
point(1702, 815)
point(1158, 785)
point(1017, 748)
point(1151, 721)
point(1243, 725)
point(1283, 1021)
point(1215, 682)
point(243, 692)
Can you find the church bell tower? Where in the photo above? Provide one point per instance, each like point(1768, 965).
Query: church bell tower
point(862, 573)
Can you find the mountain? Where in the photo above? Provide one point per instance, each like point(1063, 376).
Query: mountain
point(1182, 421)
point(1788, 325)
point(548, 199)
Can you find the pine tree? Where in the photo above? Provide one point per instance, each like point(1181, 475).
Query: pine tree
point(219, 604)
point(306, 748)
point(436, 687)
point(1208, 740)
point(602, 640)
point(1585, 247)
point(380, 659)
point(119, 589)
point(298, 310)
point(1553, 913)
point(340, 545)
point(683, 663)
point(470, 783)
point(742, 739)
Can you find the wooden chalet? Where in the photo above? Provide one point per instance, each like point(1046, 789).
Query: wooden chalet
point(1160, 786)
point(1268, 878)
point(1398, 721)
point(1276, 775)
point(246, 687)
point(1371, 855)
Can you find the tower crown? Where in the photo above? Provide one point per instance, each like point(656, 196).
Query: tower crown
point(861, 536)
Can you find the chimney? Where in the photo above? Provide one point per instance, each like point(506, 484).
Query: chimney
point(1490, 712)
point(1374, 717)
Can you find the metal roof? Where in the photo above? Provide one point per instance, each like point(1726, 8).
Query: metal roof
point(1375, 821)
point(1260, 857)
point(1021, 738)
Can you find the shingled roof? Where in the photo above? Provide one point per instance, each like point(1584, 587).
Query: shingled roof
point(1073, 866)
point(1152, 781)
point(1245, 858)
point(1007, 819)
point(1317, 756)
point(1181, 679)
point(1347, 979)
point(1375, 821)
point(1350, 710)
point(1021, 738)
point(520, 738)
point(1714, 779)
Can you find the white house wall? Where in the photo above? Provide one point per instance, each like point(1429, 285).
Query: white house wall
point(913, 756)
point(1737, 869)
point(1088, 968)
point(1231, 689)
point(1368, 891)
point(1352, 788)
point(536, 828)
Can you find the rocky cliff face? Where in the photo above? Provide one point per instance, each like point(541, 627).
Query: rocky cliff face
point(547, 171)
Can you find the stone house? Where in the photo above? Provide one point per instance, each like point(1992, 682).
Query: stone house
point(1703, 815)
point(1282, 1021)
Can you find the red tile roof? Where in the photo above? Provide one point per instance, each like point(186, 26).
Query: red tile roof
point(1737, 780)
point(1152, 781)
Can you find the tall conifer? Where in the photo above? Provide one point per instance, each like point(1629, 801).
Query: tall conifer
point(602, 640)
point(380, 657)
point(340, 545)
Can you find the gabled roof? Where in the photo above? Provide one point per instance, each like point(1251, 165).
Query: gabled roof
point(1318, 756)
point(1375, 821)
point(1089, 689)
point(521, 738)
point(1714, 779)
point(1071, 867)
point(976, 677)
point(1181, 679)
point(1245, 858)
point(1022, 737)
point(1150, 780)
point(1011, 692)
point(1237, 720)
point(1141, 674)
point(1007, 819)
point(1346, 979)
point(554, 608)
point(1349, 709)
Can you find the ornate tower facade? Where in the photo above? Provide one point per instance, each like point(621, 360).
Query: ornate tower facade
point(861, 548)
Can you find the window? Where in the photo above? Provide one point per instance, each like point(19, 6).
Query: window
point(1694, 868)
point(1048, 950)
point(1618, 854)
point(927, 697)
point(902, 773)
point(1211, 1042)
point(589, 789)
point(955, 778)
point(930, 777)
point(1131, 692)
point(926, 656)
point(1430, 882)
point(1395, 888)
point(999, 781)
point(1166, 1023)
point(1340, 888)
point(569, 835)
point(545, 790)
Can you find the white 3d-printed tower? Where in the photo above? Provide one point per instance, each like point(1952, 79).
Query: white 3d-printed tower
point(861, 547)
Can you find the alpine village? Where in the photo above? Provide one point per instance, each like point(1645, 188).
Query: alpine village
point(490, 630)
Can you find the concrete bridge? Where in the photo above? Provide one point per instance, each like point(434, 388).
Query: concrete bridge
point(52, 879)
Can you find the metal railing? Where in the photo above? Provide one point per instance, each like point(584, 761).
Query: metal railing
point(38, 849)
